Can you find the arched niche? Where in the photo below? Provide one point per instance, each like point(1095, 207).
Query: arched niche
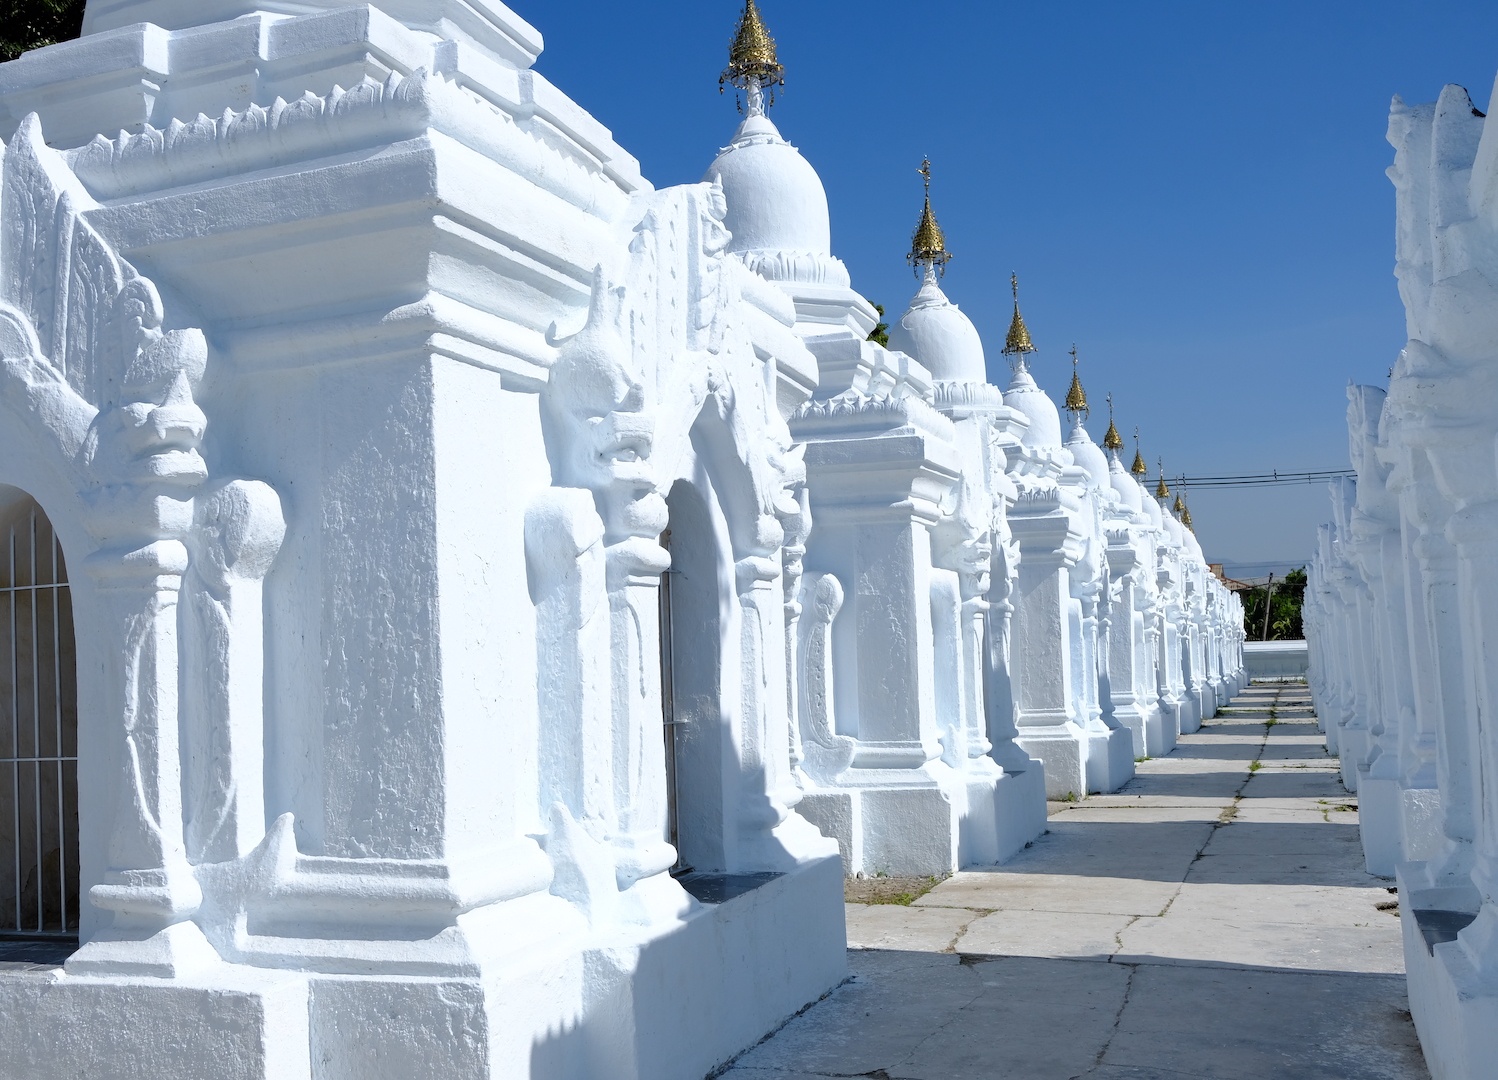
point(702, 608)
point(39, 835)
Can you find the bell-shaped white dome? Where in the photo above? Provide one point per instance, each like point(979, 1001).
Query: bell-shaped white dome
point(1151, 507)
point(1026, 397)
point(1087, 455)
point(776, 201)
point(940, 336)
point(1126, 486)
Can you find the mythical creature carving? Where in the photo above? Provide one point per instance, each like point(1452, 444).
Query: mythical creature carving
point(106, 393)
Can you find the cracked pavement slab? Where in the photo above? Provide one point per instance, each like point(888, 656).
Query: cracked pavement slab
point(1209, 922)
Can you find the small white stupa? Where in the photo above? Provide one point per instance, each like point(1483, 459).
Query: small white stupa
point(1024, 395)
point(777, 206)
point(934, 330)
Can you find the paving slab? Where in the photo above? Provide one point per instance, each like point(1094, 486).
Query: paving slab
point(1261, 1025)
point(1276, 870)
point(1297, 905)
point(1260, 838)
point(1057, 934)
point(1052, 892)
point(914, 929)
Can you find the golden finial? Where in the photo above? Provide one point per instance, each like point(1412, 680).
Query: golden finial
point(1139, 469)
point(1018, 343)
point(1113, 440)
point(752, 63)
point(1186, 516)
point(1178, 506)
point(928, 244)
point(1076, 397)
point(1161, 491)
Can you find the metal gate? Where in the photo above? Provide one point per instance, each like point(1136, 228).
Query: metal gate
point(38, 732)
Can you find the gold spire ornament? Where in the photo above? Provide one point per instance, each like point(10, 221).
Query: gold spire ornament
point(1178, 506)
point(1186, 516)
point(1076, 397)
point(1161, 491)
point(1139, 469)
point(1113, 440)
point(1018, 342)
point(753, 66)
point(928, 244)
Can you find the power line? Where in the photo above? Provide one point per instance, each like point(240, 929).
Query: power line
point(1269, 479)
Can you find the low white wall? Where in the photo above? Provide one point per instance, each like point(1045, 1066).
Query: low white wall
point(1275, 659)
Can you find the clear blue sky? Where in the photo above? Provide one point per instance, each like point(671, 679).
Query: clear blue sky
point(1192, 193)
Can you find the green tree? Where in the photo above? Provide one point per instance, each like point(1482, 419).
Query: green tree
point(30, 24)
point(1284, 613)
point(881, 332)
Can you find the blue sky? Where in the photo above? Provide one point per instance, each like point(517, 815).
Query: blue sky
point(1192, 194)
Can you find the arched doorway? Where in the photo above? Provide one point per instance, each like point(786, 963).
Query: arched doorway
point(38, 730)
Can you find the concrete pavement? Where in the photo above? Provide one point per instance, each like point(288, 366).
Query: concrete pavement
point(1212, 921)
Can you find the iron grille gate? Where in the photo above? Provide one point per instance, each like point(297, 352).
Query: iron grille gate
point(38, 732)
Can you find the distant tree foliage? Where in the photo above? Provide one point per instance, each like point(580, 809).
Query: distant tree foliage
point(30, 24)
point(1284, 614)
point(881, 332)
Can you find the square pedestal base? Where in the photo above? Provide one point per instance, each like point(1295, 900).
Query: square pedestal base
point(1455, 1007)
point(666, 1002)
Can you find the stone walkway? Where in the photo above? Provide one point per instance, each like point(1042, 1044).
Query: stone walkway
point(1210, 922)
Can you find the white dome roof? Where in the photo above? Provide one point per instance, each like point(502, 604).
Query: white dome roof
point(1045, 422)
point(940, 337)
point(776, 201)
point(1088, 455)
point(1126, 486)
point(1152, 508)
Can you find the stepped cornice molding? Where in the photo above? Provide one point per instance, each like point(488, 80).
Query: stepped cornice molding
point(314, 127)
point(853, 415)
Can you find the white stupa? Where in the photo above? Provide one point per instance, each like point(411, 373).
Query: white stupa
point(1086, 454)
point(933, 329)
point(1024, 395)
point(777, 206)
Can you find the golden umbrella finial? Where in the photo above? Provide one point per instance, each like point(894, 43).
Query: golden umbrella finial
point(1018, 342)
point(1139, 469)
point(1186, 516)
point(1076, 397)
point(928, 244)
point(752, 63)
point(1161, 491)
point(1178, 506)
point(1112, 440)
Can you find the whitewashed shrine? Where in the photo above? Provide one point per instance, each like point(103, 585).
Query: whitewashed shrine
point(1401, 594)
point(468, 608)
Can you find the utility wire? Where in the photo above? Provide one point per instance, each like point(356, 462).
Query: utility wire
point(1270, 479)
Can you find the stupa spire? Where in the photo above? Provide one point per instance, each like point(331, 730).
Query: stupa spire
point(1161, 491)
point(1017, 344)
point(1113, 441)
point(928, 244)
point(1139, 469)
point(753, 66)
point(1076, 397)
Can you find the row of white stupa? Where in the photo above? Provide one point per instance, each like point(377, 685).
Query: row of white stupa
point(1073, 618)
point(413, 461)
point(1403, 589)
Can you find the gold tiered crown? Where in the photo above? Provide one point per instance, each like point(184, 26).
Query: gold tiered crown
point(751, 54)
point(1113, 440)
point(1076, 397)
point(1161, 491)
point(928, 244)
point(1018, 343)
